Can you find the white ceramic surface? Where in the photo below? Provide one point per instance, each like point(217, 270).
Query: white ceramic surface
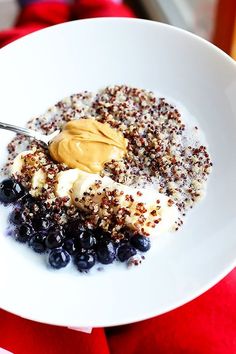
point(42, 68)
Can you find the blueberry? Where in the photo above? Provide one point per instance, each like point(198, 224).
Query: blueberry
point(43, 210)
point(58, 258)
point(142, 243)
point(84, 261)
point(101, 235)
point(85, 239)
point(23, 233)
point(54, 238)
point(10, 191)
point(73, 228)
point(98, 232)
point(106, 252)
point(70, 246)
point(28, 201)
point(127, 233)
point(17, 217)
point(37, 242)
point(126, 251)
point(40, 224)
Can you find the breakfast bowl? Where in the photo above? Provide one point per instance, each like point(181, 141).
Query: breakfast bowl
point(161, 64)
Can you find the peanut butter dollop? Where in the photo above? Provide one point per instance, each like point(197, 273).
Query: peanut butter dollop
point(88, 144)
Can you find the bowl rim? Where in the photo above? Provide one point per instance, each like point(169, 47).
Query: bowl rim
point(125, 19)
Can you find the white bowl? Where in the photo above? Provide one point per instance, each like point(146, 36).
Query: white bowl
point(40, 69)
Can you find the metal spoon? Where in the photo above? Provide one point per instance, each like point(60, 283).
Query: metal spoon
point(42, 139)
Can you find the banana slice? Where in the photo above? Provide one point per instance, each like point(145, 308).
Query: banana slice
point(144, 210)
point(18, 162)
point(65, 181)
point(166, 211)
point(155, 209)
point(83, 184)
point(37, 183)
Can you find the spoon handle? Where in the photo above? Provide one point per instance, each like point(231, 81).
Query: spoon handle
point(25, 131)
point(16, 129)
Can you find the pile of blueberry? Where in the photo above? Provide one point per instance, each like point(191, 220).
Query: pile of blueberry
point(68, 242)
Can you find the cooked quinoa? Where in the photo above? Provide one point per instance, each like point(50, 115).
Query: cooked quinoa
point(160, 151)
